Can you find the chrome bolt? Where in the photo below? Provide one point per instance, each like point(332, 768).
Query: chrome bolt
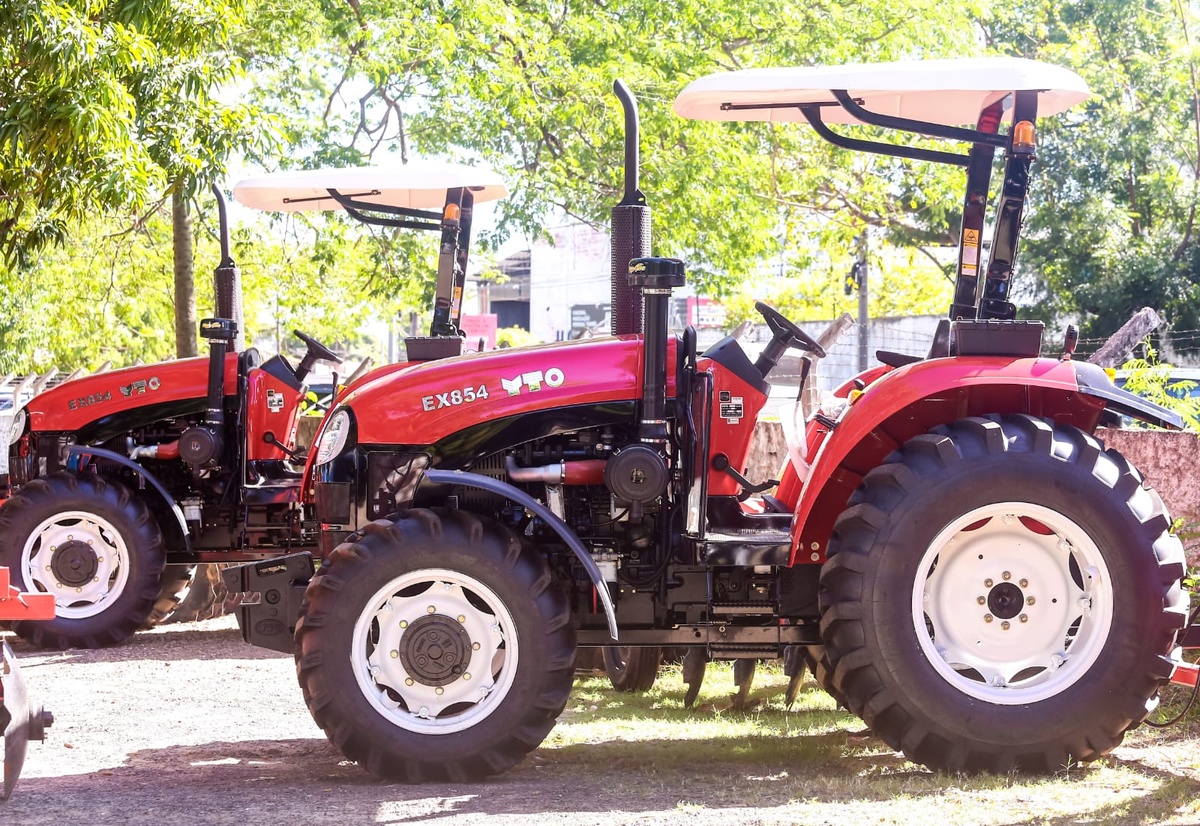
point(815, 546)
point(403, 623)
point(53, 548)
point(1030, 600)
point(466, 675)
point(89, 542)
point(987, 583)
point(988, 617)
point(432, 609)
point(1024, 618)
point(474, 646)
point(409, 681)
point(394, 654)
point(1024, 583)
point(461, 619)
point(1005, 625)
point(1007, 576)
point(814, 556)
point(981, 600)
point(439, 691)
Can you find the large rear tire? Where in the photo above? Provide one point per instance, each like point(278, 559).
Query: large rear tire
point(1002, 593)
point(93, 545)
point(632, 668)
point(435, 646)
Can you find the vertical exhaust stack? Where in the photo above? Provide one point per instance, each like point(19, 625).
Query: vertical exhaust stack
point(655, 278)
point(227, 279)
point(630, 227)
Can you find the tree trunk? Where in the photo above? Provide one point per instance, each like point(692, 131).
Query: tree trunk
point(185, 277)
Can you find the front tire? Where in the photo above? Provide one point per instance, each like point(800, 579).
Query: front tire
point(94, 546)
point(435, 647)
point(1002, 593)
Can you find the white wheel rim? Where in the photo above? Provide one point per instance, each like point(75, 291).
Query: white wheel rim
point(79, 557)
point(1013, 603)
point(435, 651)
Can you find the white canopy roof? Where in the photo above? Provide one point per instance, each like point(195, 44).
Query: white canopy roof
point(950, 92)
point(415, 185)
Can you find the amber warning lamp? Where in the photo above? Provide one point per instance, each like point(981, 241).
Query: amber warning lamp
point(450, 216)
point(1024, 137)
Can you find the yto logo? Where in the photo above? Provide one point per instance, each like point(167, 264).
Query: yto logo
point(533, 380)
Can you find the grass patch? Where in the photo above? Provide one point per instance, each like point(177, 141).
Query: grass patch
point(815, 763)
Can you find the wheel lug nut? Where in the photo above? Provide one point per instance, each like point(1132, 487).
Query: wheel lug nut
point(1030, 600)
point(1024, 583)
point(466, 675)
point(432, 609)
point(474, 646)
point(1007, 576)
point(987, 583)
point(987, 618)
point(461, 619)
point(1024, 618)
point(980, 600)
point(403, 623)
point(1005, 625)
point(394, 654)
point(439, 691)
point(409, 681)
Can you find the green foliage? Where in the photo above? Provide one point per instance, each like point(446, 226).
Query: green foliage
point(527, 88)
point(105, 103)
point(1154, 380)
point(1115, 192)
point(514, 337)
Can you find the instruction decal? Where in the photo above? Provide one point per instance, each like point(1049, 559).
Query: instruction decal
point(732, 407)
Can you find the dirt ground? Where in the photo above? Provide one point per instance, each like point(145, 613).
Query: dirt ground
point(188, 725)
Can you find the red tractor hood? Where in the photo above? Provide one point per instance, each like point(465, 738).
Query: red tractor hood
point(425, 402)
point(76, 403)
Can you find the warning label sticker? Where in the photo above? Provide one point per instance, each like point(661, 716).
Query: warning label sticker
point(732, 410)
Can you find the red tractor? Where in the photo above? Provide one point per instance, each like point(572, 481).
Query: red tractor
point(125, 480)
point(965, 565)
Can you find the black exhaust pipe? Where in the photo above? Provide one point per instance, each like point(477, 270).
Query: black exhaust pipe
point(630, 227)
point(227, 279)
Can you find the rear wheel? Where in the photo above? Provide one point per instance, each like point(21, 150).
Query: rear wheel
point(435, 647)
point(631, 668)
point(91, 544)
point(1001, 594)
point(175, 587)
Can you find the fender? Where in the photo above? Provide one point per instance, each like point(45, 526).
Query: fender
point(910, 400)
point(476, 480)
point(124, 461)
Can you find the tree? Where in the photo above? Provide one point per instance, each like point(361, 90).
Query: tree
point(1113, 221)
point(527, 88)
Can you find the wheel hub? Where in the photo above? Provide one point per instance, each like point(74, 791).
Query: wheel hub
point(74, 563)
point(435, 650)
point(1006, 600)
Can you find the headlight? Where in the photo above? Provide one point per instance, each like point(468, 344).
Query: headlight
point(17, 429)
point(334, 437)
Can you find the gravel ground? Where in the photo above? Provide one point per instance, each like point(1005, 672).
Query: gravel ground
point(188, 725)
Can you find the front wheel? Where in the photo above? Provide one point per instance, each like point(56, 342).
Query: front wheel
point(436, 646)
point(1002, 593)
point(94, 546)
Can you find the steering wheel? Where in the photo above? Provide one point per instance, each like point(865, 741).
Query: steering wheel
point(784, 335)
point(316, 352)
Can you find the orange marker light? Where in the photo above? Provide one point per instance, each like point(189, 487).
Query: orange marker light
point(451, 213)
point(1024, 134)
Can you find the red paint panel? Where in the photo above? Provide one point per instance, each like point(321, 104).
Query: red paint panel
point(731, 434)
point(271, 407)
point(75, 403)
point(918, 397)
point(429, 401)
